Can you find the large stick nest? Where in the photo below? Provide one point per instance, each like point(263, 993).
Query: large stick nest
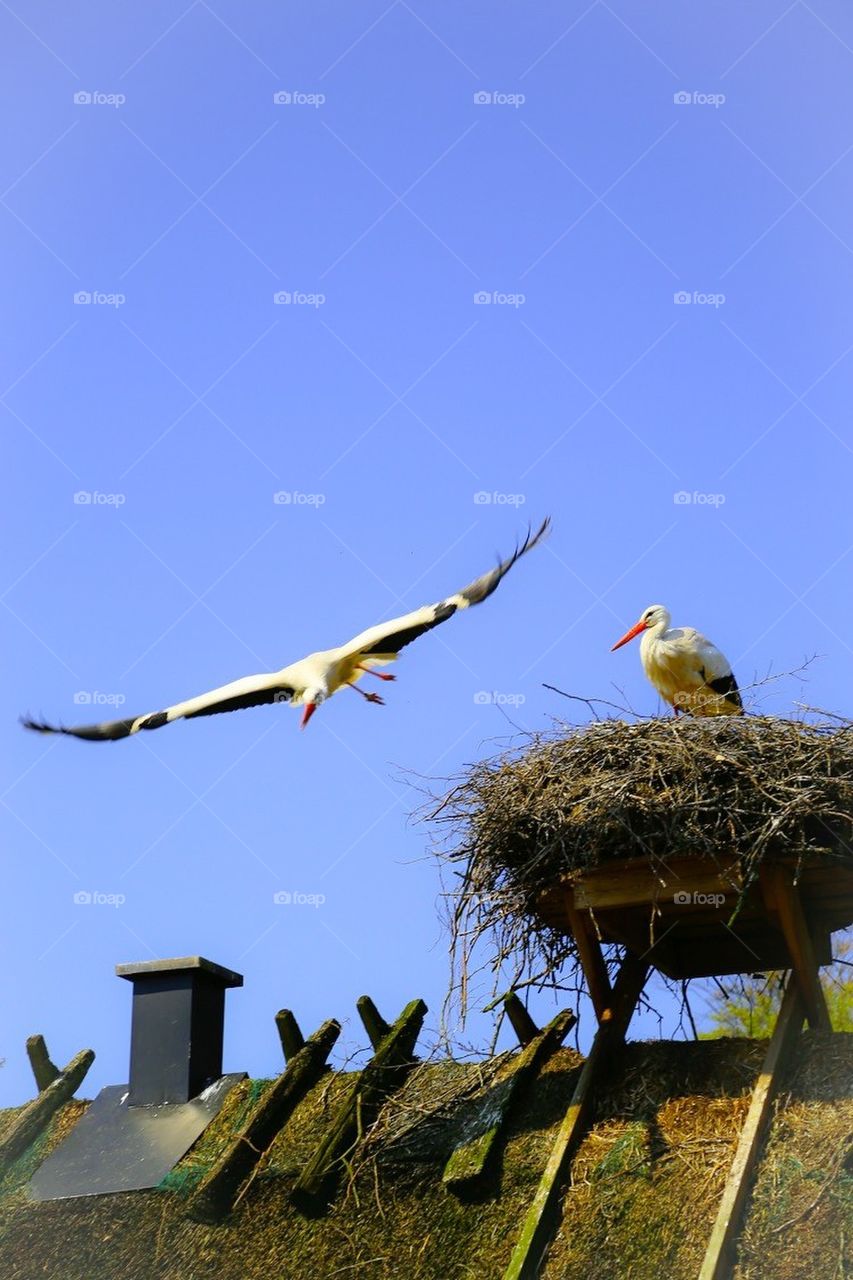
point(758, 787)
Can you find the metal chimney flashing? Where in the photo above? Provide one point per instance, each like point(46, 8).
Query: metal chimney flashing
point(132, 1135)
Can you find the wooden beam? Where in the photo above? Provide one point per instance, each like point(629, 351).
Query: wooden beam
point(592, 961)
point(542, 1217)
point(719, 1257)
point(782, 896)
point(385, 1072)
point(37, 1114)
point(468, 1163)
point(522, 1023)
point(636, 882)
point(44, 1070)
point(219, 1190)
point(289, 1033)
point(373, 1022)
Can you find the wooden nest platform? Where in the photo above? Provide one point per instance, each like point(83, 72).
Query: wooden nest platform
point(701, 918)
point(699, 844)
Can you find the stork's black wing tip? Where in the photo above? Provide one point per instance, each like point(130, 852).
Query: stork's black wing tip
point(37, 726)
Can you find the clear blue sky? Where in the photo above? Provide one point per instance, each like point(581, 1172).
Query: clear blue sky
point(383, 197)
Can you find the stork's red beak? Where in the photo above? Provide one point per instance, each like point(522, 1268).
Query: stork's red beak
point(310, 708)
point(629, 635)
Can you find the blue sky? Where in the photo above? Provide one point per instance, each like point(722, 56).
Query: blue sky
point(615, 159)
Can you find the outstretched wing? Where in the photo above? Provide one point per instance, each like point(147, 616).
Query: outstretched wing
point(251, 691)
point(388, 638)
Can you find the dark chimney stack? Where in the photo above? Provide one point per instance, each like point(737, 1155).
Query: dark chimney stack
point(176, 1032)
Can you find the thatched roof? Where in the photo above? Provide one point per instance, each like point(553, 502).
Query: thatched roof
point(646, 1184)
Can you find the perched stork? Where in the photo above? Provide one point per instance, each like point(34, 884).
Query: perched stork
point(687, 670)
point(312, 680)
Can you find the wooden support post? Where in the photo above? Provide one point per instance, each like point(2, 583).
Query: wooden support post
point(385, 1072)
point(289, 1033)
point(373, 1022)
point(592, 961)
point(782, 897)
point(542, 1217)
point(719, 1256)
point(468, 1162)
point(217, 1193)
point(44, 1070)
point(37, 1114)
point(522, 1023)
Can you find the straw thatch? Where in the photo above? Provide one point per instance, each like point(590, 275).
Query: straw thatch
point(645, 1190)
point(562, 802)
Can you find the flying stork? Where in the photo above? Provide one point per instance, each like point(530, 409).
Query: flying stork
point(687, 670)
point(312, 680)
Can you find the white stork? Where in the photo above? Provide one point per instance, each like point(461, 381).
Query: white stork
point(312, 680)
point(687, 670)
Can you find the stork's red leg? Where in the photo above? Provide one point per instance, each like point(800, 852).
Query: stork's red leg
point(380, 675)
point(368, 697)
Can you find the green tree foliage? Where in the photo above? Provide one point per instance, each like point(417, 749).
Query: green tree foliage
point(747, 1006)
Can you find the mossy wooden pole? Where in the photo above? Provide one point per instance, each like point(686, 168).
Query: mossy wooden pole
point(289, 1033)
point(384, 1073)
point(718, 1263)
point(373, 1022)
point(468, 1162)
point(542, 1217)
point(522, 1023)
point(44, 1070)
point(216, 1193)
point(37, 1114)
